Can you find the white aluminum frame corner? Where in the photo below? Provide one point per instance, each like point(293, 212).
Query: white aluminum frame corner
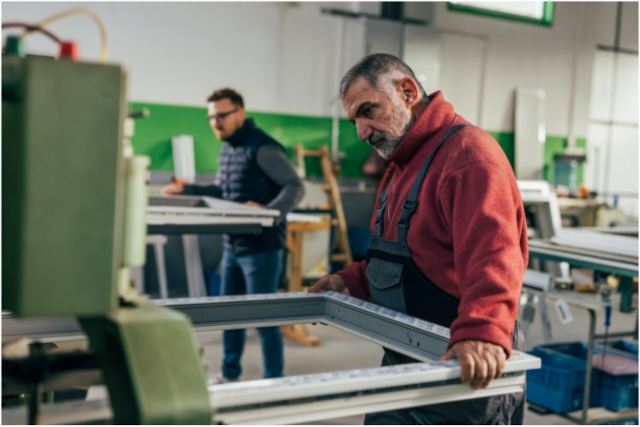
point(316, 397)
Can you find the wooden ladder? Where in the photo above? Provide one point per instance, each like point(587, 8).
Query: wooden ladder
point(331, 187)
point(295, 231)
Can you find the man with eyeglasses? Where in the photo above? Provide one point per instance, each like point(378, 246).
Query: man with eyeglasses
point(252, 169)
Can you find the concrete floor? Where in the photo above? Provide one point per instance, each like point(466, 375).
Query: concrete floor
point(342, 351)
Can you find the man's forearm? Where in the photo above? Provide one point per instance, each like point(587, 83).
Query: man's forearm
point(490, 251)
point(274, 163)
point(356, 280)
point(288, 198)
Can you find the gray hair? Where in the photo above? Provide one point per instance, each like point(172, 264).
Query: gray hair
point(375, 66)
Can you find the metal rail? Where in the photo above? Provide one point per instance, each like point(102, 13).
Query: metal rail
point(620, 265)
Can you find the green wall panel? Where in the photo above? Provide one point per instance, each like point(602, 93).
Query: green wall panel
point(582, 143)
point(153, 138)
point(556, 145)
point(356, 151)
point(505, 139)
point(153, 135)
point(552, 145)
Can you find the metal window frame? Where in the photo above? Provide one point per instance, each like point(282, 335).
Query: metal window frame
point(405, 334)
point(306, 398)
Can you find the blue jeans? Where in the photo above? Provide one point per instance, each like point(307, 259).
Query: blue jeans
point(252, 274)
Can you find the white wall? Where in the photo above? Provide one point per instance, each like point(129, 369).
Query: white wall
point(523, 55)
point(578, 80)
point(289, 57)
point(612, 156)
point(612, 167)
point(282, 56)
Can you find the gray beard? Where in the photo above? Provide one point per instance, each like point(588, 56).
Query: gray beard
point(387, 146)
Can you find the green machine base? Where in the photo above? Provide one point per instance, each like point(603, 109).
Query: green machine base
point(150, 365)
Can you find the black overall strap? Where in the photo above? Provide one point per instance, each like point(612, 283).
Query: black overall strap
point(382, 203)
point(410, 205)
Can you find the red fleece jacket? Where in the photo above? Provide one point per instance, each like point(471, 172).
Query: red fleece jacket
point(469, 233)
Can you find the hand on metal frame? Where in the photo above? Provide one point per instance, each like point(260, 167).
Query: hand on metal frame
point(330, 282)
point(481, 362)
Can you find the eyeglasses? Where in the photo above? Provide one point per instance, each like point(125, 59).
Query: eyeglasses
point(220, 116)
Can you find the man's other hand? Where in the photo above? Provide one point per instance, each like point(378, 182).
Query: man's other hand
point(330, 282)
point(254, 204)
point(172, 189)
point(480, 361)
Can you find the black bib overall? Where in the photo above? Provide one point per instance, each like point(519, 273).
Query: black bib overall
point(397, 283)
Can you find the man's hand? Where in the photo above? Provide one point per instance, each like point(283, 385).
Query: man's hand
point(480, 361)
point(172, 189)
point(330, 282)
point(254, 204)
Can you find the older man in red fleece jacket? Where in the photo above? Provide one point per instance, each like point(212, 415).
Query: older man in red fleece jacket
point(449, 234)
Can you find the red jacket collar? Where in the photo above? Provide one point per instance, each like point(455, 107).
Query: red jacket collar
point(437, 116)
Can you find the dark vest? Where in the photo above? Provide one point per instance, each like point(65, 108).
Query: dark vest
point(241, 180)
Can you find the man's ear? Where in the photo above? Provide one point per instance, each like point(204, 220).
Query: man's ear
point(242, 115)
point(409, 91)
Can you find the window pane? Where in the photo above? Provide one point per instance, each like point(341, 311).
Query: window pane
point(594, 169)
point(601, 83)
point(625, 107)
point(623, 160)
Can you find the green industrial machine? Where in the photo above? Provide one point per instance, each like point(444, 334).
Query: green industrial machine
point(63, 183)
point(74, 221)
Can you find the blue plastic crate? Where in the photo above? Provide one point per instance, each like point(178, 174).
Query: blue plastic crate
point(573, 349)
point(559, 384)
point(617, 381)
point(579, 349)
point(615, 399)
point(557, 370)
point(558, 400)
point(627, 346)
point(614, 392)
point(620, 391)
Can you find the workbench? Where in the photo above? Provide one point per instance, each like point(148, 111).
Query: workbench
point(205, 215)
point(189, 216)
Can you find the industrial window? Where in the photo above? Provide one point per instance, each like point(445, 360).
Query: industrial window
point(532, 12)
